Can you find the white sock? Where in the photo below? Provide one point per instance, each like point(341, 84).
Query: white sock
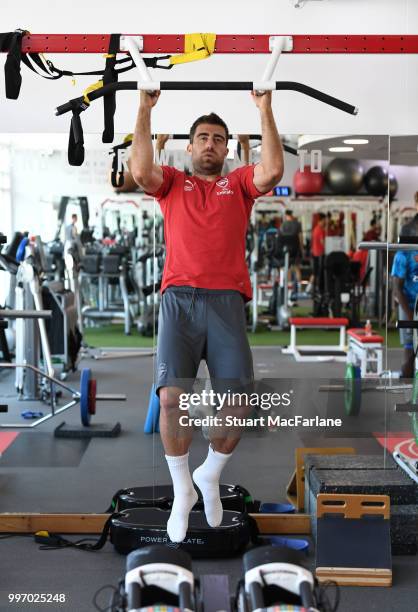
point(207, 479)
point(185, 497)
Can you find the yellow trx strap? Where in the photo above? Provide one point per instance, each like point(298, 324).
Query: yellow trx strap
point(91, 88)
point(196, 47)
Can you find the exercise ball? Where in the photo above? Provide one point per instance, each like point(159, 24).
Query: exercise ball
point(308, 182)
point(376, 181)
point(344, 176)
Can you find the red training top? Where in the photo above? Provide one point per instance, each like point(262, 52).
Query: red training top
point(363, 258)
point(205, 226)
point(318, 241)
point(371, 235)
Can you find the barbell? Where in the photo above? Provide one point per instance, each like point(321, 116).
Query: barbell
point(353, 390)
point(86, 396)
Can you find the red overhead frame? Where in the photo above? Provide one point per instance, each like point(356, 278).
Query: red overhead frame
point(228, 43)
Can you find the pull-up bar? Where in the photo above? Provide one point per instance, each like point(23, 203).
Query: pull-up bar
point(206, 86)
point(228, 43)
point(107, 90)
point(78, 105)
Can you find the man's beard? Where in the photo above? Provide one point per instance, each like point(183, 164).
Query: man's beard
point(207, 167)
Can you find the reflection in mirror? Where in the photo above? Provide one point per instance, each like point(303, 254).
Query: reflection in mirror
point(402, 437)
point(102, 252)
point(318, 276)
point(70, 263)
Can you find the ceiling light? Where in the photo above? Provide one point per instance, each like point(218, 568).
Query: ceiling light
point(341, 149)
point(356, 141)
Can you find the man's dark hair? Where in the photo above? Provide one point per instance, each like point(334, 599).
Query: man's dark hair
point(321, 216)
point(212, 119)
point(74, 216)
point(289, 213)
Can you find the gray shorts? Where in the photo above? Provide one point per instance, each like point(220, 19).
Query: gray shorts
point(209, 324)
point(405, 335)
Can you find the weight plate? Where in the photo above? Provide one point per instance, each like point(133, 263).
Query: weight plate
point(92, 395)
point(84, 396)
point(352, 390)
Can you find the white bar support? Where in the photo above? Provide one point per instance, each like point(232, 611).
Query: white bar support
point(149, 85)
point(133, 45)
point(262, 86)
point(138, 39)
point(277, 45)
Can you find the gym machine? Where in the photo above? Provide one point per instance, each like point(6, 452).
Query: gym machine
point(60, 337)
point(278, 256)
point(107, 269)
point(339, 290)
point(32, 337)
point(45, 319)
point(9, 264)
point(150, 271)
point(82, 203)
point(274, 579)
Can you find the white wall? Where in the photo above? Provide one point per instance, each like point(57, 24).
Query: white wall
point(41, 175)
point(384, 87)
point(39, 180)
point(407, 177)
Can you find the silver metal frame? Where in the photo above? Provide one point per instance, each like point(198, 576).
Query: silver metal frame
point(76, 397)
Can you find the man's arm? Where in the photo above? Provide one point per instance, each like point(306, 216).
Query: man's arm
point(398, 284)
point(141, 163)
point(269, 171)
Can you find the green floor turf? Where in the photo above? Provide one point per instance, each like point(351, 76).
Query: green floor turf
point(113, 336)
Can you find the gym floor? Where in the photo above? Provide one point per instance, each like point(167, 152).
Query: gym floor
point(40, 473)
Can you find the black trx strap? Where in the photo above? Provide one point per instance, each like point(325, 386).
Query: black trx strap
point(47, 70)
point(110, 75)
point(117, 176)
point(12, 41)
point(76, 138)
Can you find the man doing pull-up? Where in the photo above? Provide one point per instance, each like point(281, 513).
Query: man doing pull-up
point(205, 284)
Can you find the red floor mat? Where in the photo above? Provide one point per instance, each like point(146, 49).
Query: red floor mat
point(403, 442)
point(6, 439)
